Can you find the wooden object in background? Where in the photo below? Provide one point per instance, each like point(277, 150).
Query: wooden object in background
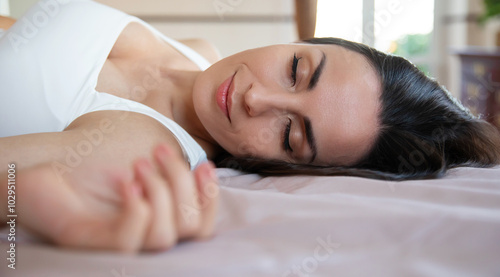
point(480, 88)
point(305, 15)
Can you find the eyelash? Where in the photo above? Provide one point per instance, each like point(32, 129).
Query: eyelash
point(295, 63)
point(286, 133)
point(286, 137)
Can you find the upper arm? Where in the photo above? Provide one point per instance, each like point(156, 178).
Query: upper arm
point(6, 22)
point(204, 48)
point(110, 137)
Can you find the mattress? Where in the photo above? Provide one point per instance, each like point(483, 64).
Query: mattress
point(316, 226)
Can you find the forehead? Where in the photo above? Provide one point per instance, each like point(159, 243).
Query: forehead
point(347, 100)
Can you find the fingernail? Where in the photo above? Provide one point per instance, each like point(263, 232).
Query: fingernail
point(210, 187)
point(211, 171)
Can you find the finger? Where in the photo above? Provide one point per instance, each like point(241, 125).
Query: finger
point(183, 187)
point(208, 191)
point(131, 228)
point(162, 233)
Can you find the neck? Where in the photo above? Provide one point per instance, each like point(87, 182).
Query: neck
point(183, 111)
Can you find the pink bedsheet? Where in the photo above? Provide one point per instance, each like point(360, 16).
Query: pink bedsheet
point(318, 226)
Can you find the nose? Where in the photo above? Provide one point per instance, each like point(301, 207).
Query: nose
point(260, 100)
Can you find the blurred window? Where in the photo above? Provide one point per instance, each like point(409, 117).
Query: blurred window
point(402, 27)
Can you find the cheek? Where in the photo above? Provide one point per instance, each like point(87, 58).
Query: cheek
point(260, 138)
point(201, 90)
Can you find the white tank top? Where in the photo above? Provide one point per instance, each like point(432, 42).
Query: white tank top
point(50, 60)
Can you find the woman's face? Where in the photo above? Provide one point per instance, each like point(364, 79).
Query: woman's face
point(301, 103)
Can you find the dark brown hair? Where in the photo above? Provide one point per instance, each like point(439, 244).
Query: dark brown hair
point(424, 130)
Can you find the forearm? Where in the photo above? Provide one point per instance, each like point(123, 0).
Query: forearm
point(29, 150)
point(28, 193)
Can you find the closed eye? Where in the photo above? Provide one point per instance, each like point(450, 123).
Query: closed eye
point(295, 63)
point(286, 137)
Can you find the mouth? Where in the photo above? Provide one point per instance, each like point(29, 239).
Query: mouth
point(223, 96)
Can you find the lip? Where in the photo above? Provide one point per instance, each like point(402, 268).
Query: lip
point(224, 96)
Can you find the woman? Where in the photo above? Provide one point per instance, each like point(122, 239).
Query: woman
point(107, 89)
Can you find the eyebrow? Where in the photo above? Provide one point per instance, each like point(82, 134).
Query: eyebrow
point(310, 138)
point(317, 73)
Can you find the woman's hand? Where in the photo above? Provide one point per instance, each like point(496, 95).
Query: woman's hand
point(150, 207)
point(183, 203)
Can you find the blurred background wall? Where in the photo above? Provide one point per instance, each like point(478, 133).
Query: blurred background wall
point(232, 25)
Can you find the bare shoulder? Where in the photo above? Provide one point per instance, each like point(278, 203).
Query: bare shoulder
point(120, 137)
point(6, 22)
point(204, 48)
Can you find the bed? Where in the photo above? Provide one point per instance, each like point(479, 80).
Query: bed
point(316, 226)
